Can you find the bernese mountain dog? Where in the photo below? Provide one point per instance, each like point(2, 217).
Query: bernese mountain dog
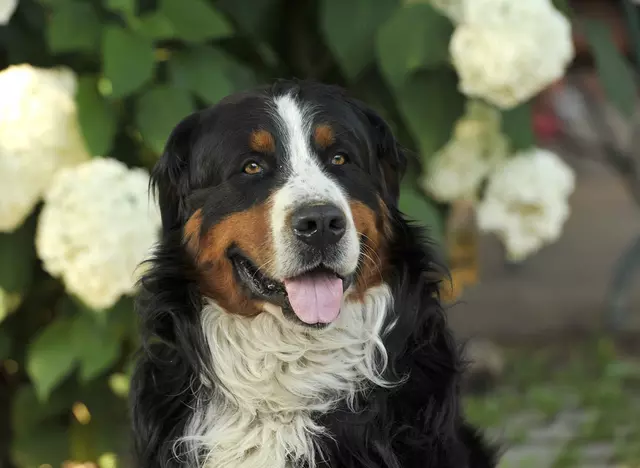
point(290, 313)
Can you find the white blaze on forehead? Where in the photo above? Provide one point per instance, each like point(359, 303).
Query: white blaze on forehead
point(306, 183)
point(306, 179)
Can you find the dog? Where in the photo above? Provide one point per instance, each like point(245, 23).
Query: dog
point(290, 313)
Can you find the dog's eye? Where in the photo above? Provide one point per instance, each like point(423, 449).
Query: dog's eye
point(339, 159)
point(252, 168)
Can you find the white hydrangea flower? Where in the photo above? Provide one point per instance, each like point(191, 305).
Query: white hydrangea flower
point(526, 202)
point(7, 9)
point(476, 148)
point(39, 134)
point(96, 226)
point(507, 51)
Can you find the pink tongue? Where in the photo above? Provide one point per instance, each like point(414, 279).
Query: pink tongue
point(315, 298)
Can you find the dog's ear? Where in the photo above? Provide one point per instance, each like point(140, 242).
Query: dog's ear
point(170, 176)
point(392, 159)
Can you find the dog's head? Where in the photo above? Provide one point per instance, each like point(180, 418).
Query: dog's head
point(282, 198)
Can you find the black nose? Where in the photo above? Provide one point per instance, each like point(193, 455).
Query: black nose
point(319, 225)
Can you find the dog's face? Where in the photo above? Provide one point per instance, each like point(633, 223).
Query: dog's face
point(282, 199)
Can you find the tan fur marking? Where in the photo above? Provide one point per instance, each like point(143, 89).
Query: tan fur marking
point(249, 230)
point(262, 141)
point(324, 135)
point(375, 234)
point(191, 232)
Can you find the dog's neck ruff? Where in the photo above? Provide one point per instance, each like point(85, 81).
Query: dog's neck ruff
point(272, 376)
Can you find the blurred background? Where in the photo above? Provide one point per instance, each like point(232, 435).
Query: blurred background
point(522, 115)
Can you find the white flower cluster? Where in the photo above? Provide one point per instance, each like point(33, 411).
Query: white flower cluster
point(506, 51)
point(7, 8)
point(456, 171)
point(39, 134)
point(96, 226)
point(526, 202)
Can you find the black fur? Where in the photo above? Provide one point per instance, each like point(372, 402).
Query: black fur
point(419, 424)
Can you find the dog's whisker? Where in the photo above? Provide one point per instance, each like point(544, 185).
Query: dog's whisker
point(375, 262)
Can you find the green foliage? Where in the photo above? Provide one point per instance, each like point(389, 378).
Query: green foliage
point(430, 104)
point(197, 23)
point(158, 110)
point(543, 385)
point(416, 37)
point(51, 357)
point(128, 60)
point(416, 207)
point(98, 117)
point(204, 71)
point(81, 338)
point(74, 27)
point(517, 125)
point(615, 73)
point(350, 30)
point(18, 251)
point(144, 65)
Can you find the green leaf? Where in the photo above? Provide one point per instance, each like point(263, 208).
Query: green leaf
point(616, 76)
point(350, 27)
point(563, 6)
point(108, 429)
point(623, 370)
point(29, 412)
point(197, 22)
point(517, 125)
point(158, 111)
point(74, 26)
point(416, 36)
point(17, 256)
point(126, 7)
point(98, 117)
point(122, 319)
point(127, 59)
point(240, 75)
point(51, 357)
point(46, 445)
point(416, 206)
point(97, 346)
point(81, 441)
point(255, 17)
point(203, 71)
point(154, 26)
point(430, 104)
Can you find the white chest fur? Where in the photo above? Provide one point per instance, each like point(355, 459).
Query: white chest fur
point(272, 376)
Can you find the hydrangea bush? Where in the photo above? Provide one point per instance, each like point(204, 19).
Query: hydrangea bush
point(96, 226)
point(89, 91)
point(39, 135)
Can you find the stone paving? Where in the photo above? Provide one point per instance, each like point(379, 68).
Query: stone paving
point(543, 445)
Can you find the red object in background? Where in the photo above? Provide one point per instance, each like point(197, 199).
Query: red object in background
point(546, 125)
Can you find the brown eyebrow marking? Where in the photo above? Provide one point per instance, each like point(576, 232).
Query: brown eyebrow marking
point(261, 141)
point(324, 135)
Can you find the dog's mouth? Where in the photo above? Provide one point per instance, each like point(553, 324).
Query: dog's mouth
point(313, 297)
